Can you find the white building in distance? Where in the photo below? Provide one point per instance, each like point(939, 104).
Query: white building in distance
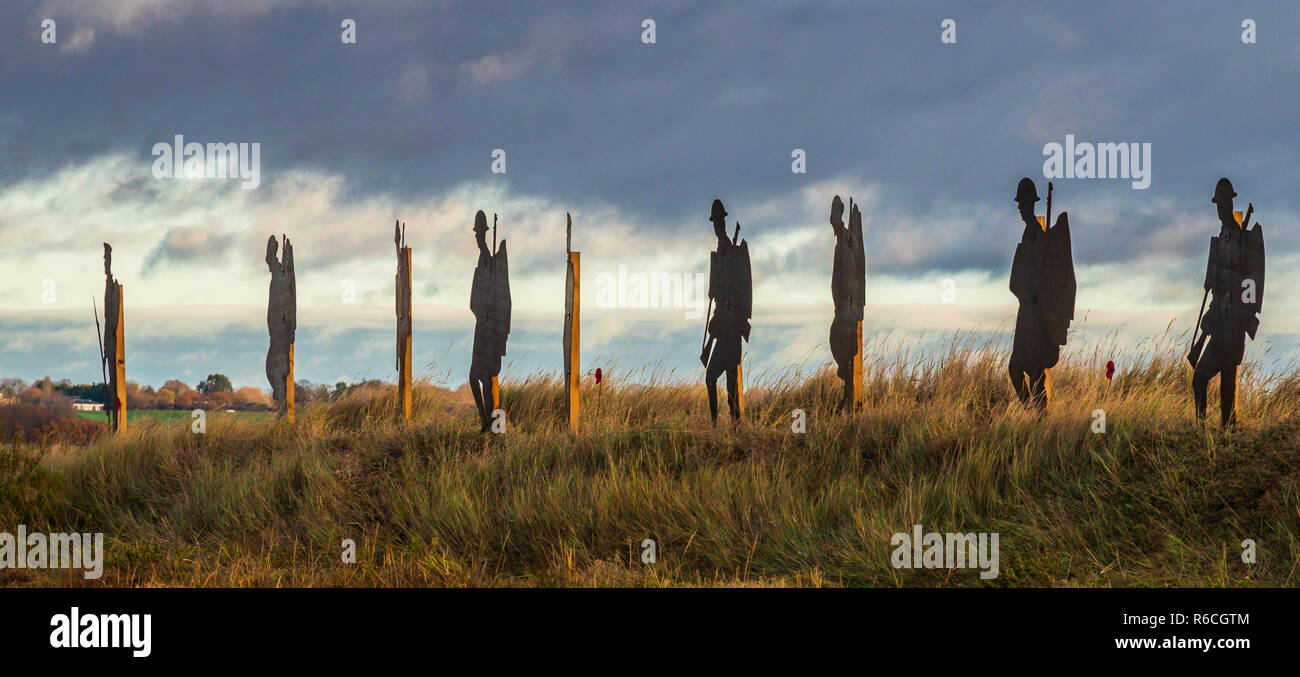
point(82, 404)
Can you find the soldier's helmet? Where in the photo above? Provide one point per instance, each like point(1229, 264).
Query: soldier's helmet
point(718, 213)
point(1026, 191)
point(837, 211)
point(1223, 191)
point(480, 221)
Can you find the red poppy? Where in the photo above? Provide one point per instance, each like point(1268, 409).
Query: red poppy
point(598, 376)
point(1110, 369)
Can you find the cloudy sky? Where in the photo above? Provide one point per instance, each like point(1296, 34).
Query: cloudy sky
point(634, 140)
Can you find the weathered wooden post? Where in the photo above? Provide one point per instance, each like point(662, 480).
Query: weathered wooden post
point(282, 323)
point(740, 353)
point(403, 303)
point(572, 313)
point(119, 362)
point(114, 346)
point(289, 388)
point(495, 390)
point(740, 387)
point(858, 396)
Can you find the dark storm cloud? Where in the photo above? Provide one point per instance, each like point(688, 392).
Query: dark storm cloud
point(587, 112)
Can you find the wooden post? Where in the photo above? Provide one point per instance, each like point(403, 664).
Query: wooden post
point(288, 388)
point(572, 322)
point(1047, 373)
point(496, 396)
point(1233, 372)
point(857, 370)
point(740, 389)
point(118, 396)
point(404, 327)
point(404, 391)
point(572, 351)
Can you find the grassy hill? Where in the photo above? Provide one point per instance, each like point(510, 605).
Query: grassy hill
point(1156, 500)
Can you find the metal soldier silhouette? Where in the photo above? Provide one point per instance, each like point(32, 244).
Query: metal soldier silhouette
point(282, 323)
point(731, 299)
point(1234, 274)
point(1042, 278)
point(490, 302)
point(848, 290)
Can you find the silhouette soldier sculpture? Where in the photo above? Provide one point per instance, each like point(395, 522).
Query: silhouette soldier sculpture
point(489, 299)
point(282, 323)
point(731, 295)
point(1042, 278)
point(848, 290)
point(1235, 276)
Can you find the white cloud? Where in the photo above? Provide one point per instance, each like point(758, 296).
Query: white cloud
point(546, 46)
point(496, 68)
point(132, 16)
point(80, 41)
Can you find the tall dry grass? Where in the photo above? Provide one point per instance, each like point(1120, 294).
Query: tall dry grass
point(1157, 500)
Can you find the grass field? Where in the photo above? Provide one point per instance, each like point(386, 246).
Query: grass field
point(170, 415)
point(1155, 500)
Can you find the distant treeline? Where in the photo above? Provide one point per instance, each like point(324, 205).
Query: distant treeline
point(83, 391)
point(213, 392)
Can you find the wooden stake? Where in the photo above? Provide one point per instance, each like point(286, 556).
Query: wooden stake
point(288, 388)
point(740, 389)
point(404, 341)
point(573, 375)
point(118, 396)
point(404, 392)
point(572, 322)
point(857, 370)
